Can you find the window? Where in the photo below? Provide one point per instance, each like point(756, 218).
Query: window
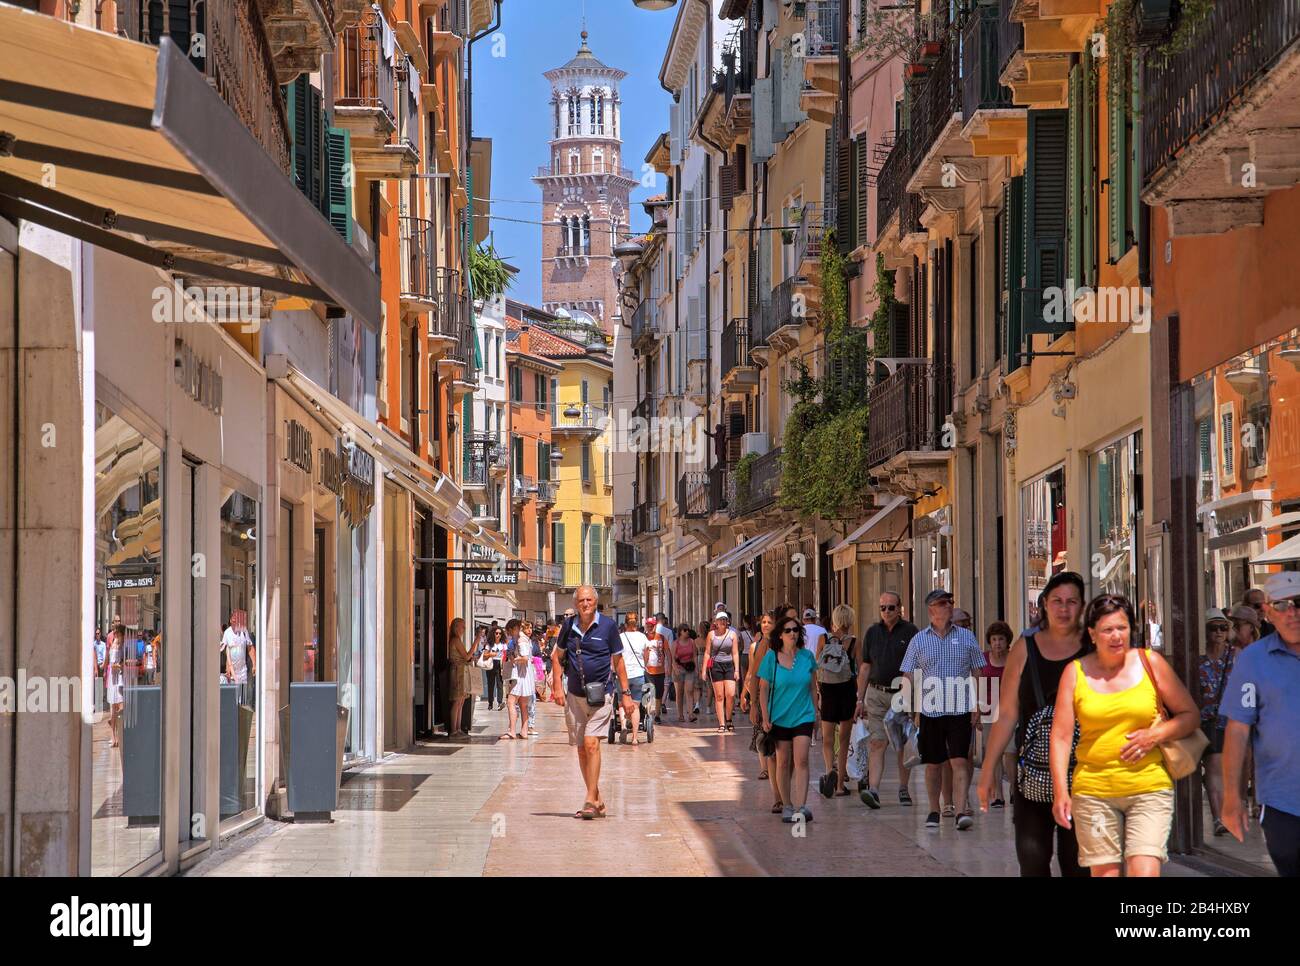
point(564, 233)
point(1254, 436)
point(539, 390)
point(1226, 438)
point(1042, 515)
point(557, 541)
point(543, 460)
point(516, 385)
point(517, 455)
point(586, 462)
point(1115, 484)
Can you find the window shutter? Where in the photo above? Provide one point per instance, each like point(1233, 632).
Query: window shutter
point(1088, 155)
point(844, 196)
point(726, 186)
point(752, 307)
point(898, 326)
point(1134, 169)
point(1046, 196)
point(740, 163)
point(338, 191)
point(1075, 173)
point(765, 266)
point(586, 462)
point(863, 173)
point(675, 133)
point(178, 24)
point(830, 181)
point(295, 106)
point(1013, 268)
point(316, 126)
point(557, 542)
point(1117, 172)
point(1227, 441)
point(735, 423)
point(764, 143)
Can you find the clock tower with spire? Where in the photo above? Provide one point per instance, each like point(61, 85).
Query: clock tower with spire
point(585, 191)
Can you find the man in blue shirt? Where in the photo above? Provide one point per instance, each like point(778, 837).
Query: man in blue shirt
point(1263, 693)
point(590, 651)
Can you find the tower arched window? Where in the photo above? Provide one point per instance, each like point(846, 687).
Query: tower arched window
point(573, 113)
point(597, 113)
point(586, 234)
point(564, 234)
point(575, 236)
point(557, 117)
point(575, 160)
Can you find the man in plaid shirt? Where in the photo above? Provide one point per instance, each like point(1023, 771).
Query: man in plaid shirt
point(945, 658)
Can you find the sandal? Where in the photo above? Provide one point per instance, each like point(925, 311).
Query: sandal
point(731, 728)
point(722, 729)
point(841, 792)
point(587, 812)
point(762, 775)
point(600, 810)
point(507, 736)
point(776, 809)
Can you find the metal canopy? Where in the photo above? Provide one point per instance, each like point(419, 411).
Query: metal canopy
point(857, 535)
point(121, 143)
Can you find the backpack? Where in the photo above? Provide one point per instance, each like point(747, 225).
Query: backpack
point(834, 662)
point(1033, 769)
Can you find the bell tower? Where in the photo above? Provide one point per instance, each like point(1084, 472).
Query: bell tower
point(585, 190)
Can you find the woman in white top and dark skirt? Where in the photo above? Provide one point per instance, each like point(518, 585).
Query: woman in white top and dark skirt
point(722, 649)
point(523, 680)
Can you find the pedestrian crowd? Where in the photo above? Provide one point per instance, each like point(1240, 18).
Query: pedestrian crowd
point(1074, 722)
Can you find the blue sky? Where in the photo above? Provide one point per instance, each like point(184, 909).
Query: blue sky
point(512, 107)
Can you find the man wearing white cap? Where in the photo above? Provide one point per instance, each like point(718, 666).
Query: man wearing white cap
point(1262, 704)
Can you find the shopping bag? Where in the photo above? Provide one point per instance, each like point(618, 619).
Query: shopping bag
point(858, 751)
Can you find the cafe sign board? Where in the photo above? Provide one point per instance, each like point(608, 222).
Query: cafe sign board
point(348, 472)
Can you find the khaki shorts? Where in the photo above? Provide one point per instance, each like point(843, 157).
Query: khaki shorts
point(1109, 830)
point(878, 704)
point(584, 721)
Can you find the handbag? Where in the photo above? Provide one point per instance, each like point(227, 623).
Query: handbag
point(767, 743)
point(484, 660)
point(1182, 755)
point(1034, 765)
point(594, 690)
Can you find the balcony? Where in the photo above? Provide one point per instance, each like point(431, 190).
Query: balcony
point(1231, 98)
point(647, 406)
point(546, 492)
point(693, 496)
point(239, 62)
point(474, 473)
point(448, 323)
point(627, 559)
point(498, 460)
point(789, 310)
point(367, 104)
point(300, 32)
point(548, 572)
point(645, 325)
point(891, 182)
point(993, 124)
point(418, 292)
point(905, 424)
point(522, 489)
point(645, 519)
point(583, 421)
point(738, 373)
point(848, 363)
point(722, 493)
point(572, 172)
point(763, 486)
point(808, 242)
point(824, 41)
point(934, 134)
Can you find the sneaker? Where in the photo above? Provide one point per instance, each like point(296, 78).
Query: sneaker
point(870, 798)
point(964, 821)
point(904, 797)
point(787, 815)
point(997, 803)
point(1220, 828)
point(807, 813)
point(932, 820)
point(949, 811)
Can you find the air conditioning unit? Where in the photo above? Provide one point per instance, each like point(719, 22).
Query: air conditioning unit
point(756, 443)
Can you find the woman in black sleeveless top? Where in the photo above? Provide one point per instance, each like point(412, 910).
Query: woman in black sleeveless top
point(1051, 647)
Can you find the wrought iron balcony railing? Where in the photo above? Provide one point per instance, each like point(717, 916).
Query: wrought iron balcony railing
point(645, 518)
point(522, 488)
point(236, 59)
point(693, 496)
point(735, 346)
point(907, 410)
point(627, 558)
point(575, 416)
point(939, 99)
point(891, 182)
point(824, 31)
point(595, 167)
point(482, 450)
point(417, 277)
point(982, 58)
point(764, 484)
point(645, 322)
point(546, 492)
point(1185, 93)
point(722, 488)
point(848, 371)
point(451, 320)
point(366, 77)
point(808, 237)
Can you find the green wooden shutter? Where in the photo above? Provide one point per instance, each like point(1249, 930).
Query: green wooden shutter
point(338, 193)
point(517, 452)
point(861, 185)
point(1075, 172)
point(844, 196)
point(557, 541)
point(597, 544)
point(1045, 216)
point(1135, 154)
point(1088, 173)
point(1013, 268)
point(586, 462)
point(1117, 194)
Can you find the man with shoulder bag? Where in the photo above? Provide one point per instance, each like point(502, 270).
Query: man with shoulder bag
point(588, 654)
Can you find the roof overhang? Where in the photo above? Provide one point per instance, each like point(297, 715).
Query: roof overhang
point(857, 535)
point(691, 18)
point(123, 144)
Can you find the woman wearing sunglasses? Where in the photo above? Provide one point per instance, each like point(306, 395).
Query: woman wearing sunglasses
point(789, 704)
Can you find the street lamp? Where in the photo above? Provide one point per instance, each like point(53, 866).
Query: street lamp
point(628, 253)
point(655, 4)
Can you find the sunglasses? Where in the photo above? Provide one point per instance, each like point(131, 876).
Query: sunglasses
point(1286, 605)
point(791, 629)
point(889, 607)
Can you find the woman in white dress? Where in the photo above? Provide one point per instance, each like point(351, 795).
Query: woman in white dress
point(115, 683)
point(523, 680)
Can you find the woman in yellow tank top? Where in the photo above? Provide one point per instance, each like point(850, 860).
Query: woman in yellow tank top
point(1121, 800)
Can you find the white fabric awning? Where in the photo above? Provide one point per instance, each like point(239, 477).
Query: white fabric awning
point(863, 530)
point(1284, 552)
point(747, 551)
point(723, 562)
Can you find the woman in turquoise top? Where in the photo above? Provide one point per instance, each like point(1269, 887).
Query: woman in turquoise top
point(790, 702)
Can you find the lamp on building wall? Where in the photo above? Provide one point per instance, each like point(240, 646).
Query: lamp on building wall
point(655, 4)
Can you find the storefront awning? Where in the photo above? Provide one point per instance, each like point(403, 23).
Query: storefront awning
point(112, 141)
point(1285, 552)
point(747, 551)
point(432, 487)
point(866, 528)
point(1236, 537)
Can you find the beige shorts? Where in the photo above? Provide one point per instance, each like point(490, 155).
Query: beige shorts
point(584, 721)
point(1109, 830)
point(878, 704)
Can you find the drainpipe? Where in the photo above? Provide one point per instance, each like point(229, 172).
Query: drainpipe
point(15, 468)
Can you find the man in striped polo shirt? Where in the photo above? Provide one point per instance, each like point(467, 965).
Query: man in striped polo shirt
point(945, 659)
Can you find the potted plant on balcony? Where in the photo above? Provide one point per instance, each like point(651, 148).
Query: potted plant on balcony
point(489, 275)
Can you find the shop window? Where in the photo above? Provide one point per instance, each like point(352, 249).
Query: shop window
point(238, 655)
point(1043, 522)
point(1226, 440)
point(1254, 436)
point(126, 727)
point(1115, 485)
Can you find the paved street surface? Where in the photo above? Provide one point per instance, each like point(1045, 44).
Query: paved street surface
point(686, 805)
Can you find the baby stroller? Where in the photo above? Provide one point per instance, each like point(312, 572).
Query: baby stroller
point(622, 729)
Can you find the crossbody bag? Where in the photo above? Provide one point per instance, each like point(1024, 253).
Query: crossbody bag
point(595, 690)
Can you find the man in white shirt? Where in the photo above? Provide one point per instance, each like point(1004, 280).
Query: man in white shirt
point(812, 631)
point(634, 648)
point(664, 631)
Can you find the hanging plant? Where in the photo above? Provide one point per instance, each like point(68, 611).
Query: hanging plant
point(744, 474)
point(881, 336)
point(488, 274)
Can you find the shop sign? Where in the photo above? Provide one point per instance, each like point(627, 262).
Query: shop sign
point(349, 473)
point(930, 523)
point(1227, 525)
point(201, 382)
point(131, 583)
point(297, 445)
point(491, 577)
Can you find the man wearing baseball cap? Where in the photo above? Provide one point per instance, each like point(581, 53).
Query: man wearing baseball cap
point(945, 659)
point(1263, 694)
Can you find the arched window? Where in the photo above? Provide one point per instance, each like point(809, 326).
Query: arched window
point(575, 159)
point(598, 160)
point(575, 237)
point(573, 114)
point(598, 113)
point(557, 117)
point(564, 234)
point(586, 234)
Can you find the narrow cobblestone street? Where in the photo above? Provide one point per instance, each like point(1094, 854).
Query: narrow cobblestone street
point(687, 804)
